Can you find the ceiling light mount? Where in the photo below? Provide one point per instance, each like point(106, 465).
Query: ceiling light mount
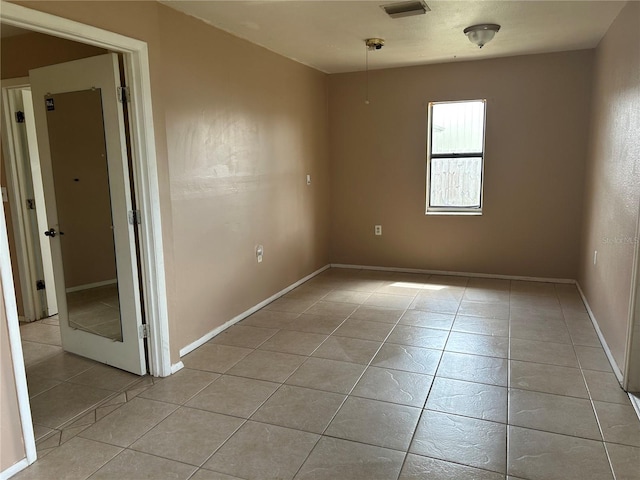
point(374, 43)
point(481, 34)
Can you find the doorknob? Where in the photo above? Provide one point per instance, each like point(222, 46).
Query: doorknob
point(52, 233)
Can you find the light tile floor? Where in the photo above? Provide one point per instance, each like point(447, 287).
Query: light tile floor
point(360, 375)
point(66, 390)
point(96, 310)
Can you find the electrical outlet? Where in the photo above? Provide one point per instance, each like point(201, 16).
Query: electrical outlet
point(259, 253)
point(308, 179)
point(377, 230)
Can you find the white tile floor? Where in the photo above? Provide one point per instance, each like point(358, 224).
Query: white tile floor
point(357, 375)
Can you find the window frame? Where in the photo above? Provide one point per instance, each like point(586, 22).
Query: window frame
point(454, 210)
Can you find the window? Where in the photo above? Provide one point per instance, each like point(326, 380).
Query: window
point(455, 157)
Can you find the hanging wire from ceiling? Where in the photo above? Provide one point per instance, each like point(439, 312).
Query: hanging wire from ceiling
point(370, 44)
point(366, 73)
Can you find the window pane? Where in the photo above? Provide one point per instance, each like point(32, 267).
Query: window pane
point(458, 127)
point(455, 182)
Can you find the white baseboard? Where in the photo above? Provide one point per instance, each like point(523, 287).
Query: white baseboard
point(205, 338)
point(607, 351)
point(87, 286)
point(635, 401)
point(13, 469)
point(176, 367)
point(455, 274)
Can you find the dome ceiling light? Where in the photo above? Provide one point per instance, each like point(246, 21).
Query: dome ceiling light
point(481, 34)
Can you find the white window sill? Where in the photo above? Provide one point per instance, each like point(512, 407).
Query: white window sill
point(474, 213)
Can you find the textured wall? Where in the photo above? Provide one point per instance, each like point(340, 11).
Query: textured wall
point(237, 130)
point(612, 194)
point(537, 125)
point(32, 50)
point(11, 235)
point(12, 450)
point(18, 55)
point(244, 127)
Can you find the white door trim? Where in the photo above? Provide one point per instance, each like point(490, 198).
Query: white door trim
point(98, 78)
point(136, 61)
point(44, 248)
point(631, 380)
point(9, 295)
point(15, 161)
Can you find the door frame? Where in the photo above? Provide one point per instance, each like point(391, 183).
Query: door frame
point(29, 250)
point(136, 60)
point(631, 374)
point(43, 253)
point(16, 178)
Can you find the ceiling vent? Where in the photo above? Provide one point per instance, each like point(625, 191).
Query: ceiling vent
point(406, 9)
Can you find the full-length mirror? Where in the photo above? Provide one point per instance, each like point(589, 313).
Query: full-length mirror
point(81, 181)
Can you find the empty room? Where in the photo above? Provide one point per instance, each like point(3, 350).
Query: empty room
point(310, 240)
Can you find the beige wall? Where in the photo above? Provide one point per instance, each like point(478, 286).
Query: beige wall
point(136, 20)
point(10, 233)
point(612, 192)
point(32, 50)
point(237, 130)
point(18, 55)
point(537, 125)
point(244, 127)
point(11, 445)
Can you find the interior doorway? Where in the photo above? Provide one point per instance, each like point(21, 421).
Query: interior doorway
point(78, 142)
point(67, 391)
point(23, 195)
point(143, 167)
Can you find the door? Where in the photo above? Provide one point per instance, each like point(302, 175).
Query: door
point(84, 165)
point(26, 232)
point(42, 244)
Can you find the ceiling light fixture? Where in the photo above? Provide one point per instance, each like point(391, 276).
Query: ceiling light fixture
point(372, 44)
point(481, 34)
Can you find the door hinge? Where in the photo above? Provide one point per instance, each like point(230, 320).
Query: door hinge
point(31, 204)
point(143, 331)
point(19, 117)
point(40, 285)
point(135, 217)
point(123, 94)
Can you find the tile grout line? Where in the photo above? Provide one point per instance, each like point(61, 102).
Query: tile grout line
point(367, 366)
point(591, 400)
point(509, 388)
point(281, 385)
point(396, 323)
point(435, 373)
point(94, 410)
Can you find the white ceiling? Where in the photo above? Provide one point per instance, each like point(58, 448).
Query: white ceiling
point(329, 35)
